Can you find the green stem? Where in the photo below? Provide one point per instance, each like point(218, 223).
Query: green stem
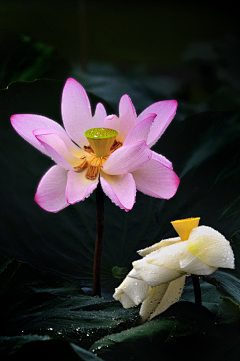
point(197, 289)
point(97, 266)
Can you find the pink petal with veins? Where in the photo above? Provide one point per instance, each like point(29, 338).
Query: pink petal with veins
point(70, 146)
point(127, 159)
point(156, 179)
point(165, 111)
point(100, 115)
point(24, 124)
point(140, 131)
point(126, 121)
point(78, 187)
point(76, 112)
point(121, 189)
point(57, 145)
point(51, 191)
point(54, 154)
point(163, 160)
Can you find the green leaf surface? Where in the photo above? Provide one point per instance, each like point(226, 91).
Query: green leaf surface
point(186, 331)
point(38, 305)
point(42, 348)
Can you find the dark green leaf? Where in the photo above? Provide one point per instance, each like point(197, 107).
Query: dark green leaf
point(43, 304)
point(42, 348)
point(184, 332)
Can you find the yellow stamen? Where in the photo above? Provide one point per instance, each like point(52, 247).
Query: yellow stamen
point(92, 172)
point(106, 145)
point(88, 149)
point(184, 226)
point(96, 161)
point(115, 146)
point(82, 165)
point(101, 140)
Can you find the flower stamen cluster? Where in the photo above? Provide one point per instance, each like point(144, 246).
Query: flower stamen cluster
point(94, 162)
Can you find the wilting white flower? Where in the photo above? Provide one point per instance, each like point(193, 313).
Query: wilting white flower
point(157, 280)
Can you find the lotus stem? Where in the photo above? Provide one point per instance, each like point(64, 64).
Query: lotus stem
point(197, 289)
point(97, 266)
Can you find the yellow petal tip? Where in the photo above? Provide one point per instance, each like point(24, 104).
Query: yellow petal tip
point(184, 226)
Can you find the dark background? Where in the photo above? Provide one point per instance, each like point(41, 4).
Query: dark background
point(150, 35)
point(123, 32)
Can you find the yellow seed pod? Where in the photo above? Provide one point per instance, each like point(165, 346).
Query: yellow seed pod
point(184, 226)
point(101, 140)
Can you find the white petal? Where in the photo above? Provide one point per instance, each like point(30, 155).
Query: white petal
point(152, 300)
point(118, 293)
point(161, 298)
point(131, 291)
point(134, 274)
point(211, 247)
point(178, 257)
point(126, 301)
point(191, 264)
point(156, 246)
point(136, 290)
point(153, 274)
point(169, 256)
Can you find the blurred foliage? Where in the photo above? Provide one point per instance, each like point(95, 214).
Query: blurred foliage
point(208, 79)
point(23, 59)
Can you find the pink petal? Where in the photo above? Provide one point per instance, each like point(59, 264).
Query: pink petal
point(51, 190)
point(79, 187)
point(127, 159)
point(126, 121)
point(160, 158)
point(24, 124)
point(58, 147)
point(121, 189)
point(51, 152)
point(140, 131)
point(165, 111)
point(100, 114)
point(156, 179)
point(76, 112)
point(70, 146)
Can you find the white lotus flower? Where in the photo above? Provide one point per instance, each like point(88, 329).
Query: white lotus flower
point(157, 280)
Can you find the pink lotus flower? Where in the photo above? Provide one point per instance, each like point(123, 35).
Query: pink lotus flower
point(126, 166)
